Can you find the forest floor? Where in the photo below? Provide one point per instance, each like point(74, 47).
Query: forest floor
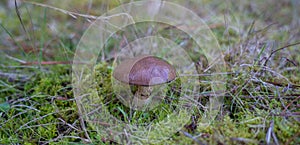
point(260, 41)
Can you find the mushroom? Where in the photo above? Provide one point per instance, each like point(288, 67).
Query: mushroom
point(144, 72)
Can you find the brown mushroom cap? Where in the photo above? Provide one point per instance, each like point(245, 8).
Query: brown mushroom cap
point(145, 70)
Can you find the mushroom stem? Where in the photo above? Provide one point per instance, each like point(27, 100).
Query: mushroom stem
point(140, 95)
point(143, 92)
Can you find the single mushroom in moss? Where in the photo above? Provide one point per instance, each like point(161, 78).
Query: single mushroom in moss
point(143, 72)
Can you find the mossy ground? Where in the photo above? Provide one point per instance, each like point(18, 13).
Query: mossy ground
point(261, 103)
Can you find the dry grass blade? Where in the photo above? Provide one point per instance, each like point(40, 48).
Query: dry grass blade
point(269, 133)
point(14, 77)
point(51, 63)
point(72, 14)
point(284, 111)
point(273, 52)
point(275, 138)
point(192, 137)
point(19, 16)
point(15, 59)
point(243, 140)
point(75, 15)
point(34, 120)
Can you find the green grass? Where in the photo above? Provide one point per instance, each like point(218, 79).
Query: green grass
point(261, 101)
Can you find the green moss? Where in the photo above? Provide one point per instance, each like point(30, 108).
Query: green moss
point(40, 123)
point(285, 129)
